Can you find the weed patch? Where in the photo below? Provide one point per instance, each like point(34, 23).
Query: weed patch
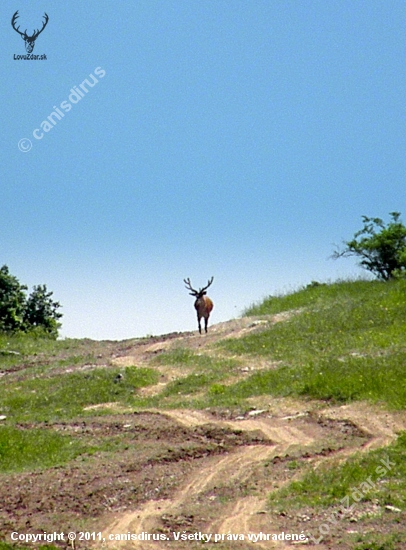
point(380, 541)
point(65, 396)
point(29, 449)
point(204, 371)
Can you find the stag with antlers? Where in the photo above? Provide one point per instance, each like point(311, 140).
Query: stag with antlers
point(29, 40)
point(203, 304)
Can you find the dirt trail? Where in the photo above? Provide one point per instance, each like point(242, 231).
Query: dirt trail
point(235, 468)
point(290, 430)
point(380, 424)
point(164, 471)
point(248, 514)
point(236, 328)
point(142, 352)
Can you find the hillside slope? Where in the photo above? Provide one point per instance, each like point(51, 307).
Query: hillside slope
point(267, 424)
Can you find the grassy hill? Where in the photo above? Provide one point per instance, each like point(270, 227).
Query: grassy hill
point(324, 346)
point(344, 342)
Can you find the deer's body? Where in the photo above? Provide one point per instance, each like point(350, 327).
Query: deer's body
point(203, 307)
point(203, 304)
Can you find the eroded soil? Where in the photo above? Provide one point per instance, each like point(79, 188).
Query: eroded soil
point(187, 471)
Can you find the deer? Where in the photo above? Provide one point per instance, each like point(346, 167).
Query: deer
point(203, 304)
point(29, 40)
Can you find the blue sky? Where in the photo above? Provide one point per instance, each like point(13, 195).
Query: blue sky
point(233, 138)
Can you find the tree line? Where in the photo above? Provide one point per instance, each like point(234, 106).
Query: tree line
point(35, 313)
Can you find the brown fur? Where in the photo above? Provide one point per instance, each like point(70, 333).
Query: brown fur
point(203, 307)
point(203, 304)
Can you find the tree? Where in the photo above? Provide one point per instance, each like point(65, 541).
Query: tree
point(12, 301)
point(41, 311)
point(21, 314)
point(381, 247)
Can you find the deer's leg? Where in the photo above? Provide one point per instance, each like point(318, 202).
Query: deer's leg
point(198, 322)
point(206, 320)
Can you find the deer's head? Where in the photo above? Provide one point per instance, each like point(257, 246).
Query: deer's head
point(197, 293)
point(29, 40)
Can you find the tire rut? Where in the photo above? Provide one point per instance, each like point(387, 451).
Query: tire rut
point(246, 514)
point(233, 468)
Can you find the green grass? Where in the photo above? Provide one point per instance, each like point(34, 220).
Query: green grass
point(65, 395)
point(312, 294)
point(342, 342)
point(30, 449)
point(15, 349)
point(359, 479)
point(346, 343)
point(377, 541)
point(30, 350)
point(203, 372)
point(181, 356)
point(191, 384)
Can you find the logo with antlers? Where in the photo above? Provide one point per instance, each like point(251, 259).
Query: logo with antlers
point(29, 40)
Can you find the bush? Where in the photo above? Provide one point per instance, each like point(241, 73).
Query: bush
point(37, 313)
point(41, 311)
point(12, 301)
point(382, 248)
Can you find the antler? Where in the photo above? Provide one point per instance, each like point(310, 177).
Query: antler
point(208, 284)
point(37, 32)
point(189, 287)
point(13, 23)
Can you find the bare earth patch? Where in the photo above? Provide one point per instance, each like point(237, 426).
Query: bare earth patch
point(228, 494)
point(189, 471)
